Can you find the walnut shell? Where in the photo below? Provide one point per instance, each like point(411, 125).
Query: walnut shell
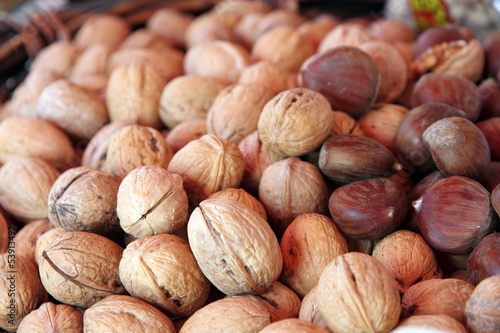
point(279, 17)
point(80, 268)
point(356, 293)
point(429, 323)
point(147, 267)
point(84, 199)
point(295, 122)
point(186, 132)
point(134, 146)
point(91, 32)
point(91, 61)
point(292, 187)
point(344, 124)
point(171, 24)
point(20, 288)
point(44, 240)
point(24, 187)
point(309, 308)
point(437, 296)
point(121, 313)
point(241, 196)
point(408, 258)
point(27, 237)
point(50, 317)
point(208, 165)
point(152, 201)
point(232, 314)
point(345, 34)
point(308, 245)
point(146, 39)
point(482, 307)
point(269, 74)
point(57, 57)
point(293, 325)
point(5, 228)
point(26, 137)
point(236, 110)
point(208, 27)
point(245, 32)
point(234, 246)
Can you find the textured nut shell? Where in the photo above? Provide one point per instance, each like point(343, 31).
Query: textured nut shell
point(234, 246)
point(84, 199)
point(283, 46)
point(356, 293)
point(170, 24)
point(24, 187)
point(188, 97)
point(482, 307)
point(344, 124)
point(437, 296)
point(186, 132)
point(241, 196)
point(438, 323)
point(57, 57)
point(26, 238)
point(152, 201)
point(121, 313)
point(220, 59)
point(91, 32)
point(27, 293)
point(308, 245)
point(208, 165)
point(271, 75)
point(345, 34)
point(4, 233)
point(26, 137)
point(50, 317)
point(309, 308)
point(162, 271)
point(134, 146)
point(232, 314)
point(292, 187)
point(44, 240)
point(80, 268)
point(295, 122)
point(408, 258)
point(293, 325)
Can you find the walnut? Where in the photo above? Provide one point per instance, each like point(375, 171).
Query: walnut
point(257, 158)
point(80, 268)
point(279, 17)
point(208, 27)
point(84, 199)
point(232, 314)
point(245, 32)
point(268, 74)
point(408, 258)
point(208, 165)
point(57, 57)
point(91, 32)
point(429, 323)
point(308, 245)
point(241, 196)
point(91, 61)
point(241, 7)
point(44, 240)
point(220, 59)
point(283, 46)
point(133, 94)
point(146, 39)
point(437, 296)
point(316, 29)
point(24, 187)
point(293, 325)
point(147, 267)
point(20, 288)
point(171, 24)
point(50, 317)
point(356, 293)
point(186, 132)
point(134, 146)
point(344, 124)
point(295, 122)
point(235, 111)
point(292, 187)
point(188, 97)
point(94, 83)
point(121, 313)
point(26, 137)
point(152, 201)
point(234, 246)
point(27, 237)
point(77, 111)
point(4, 233)
point(309, 308)
point(482, 307)
point(345, 34)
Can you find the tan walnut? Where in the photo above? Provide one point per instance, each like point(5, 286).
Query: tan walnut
point(44, 240)
point(185, 132)
point(271, 75)
point(50, 317)
point(482, 307)
point(90, 33)
point(293, 325)
point(438, 323)
point(309, 308)
point(27, 237)
point(241, 196)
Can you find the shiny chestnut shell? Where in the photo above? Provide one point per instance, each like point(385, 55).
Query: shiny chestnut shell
point(484, 260)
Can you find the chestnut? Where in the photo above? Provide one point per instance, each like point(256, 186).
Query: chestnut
point(484, 260)
point(491, 45)
point(438, 35)
point(368, 209)
point(489, 91)
point(491, 130)
point(493, 177)
point(495, 199)
point(454, 214)
point(458, 147)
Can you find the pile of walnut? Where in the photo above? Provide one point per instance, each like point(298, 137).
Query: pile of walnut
point(253, 170)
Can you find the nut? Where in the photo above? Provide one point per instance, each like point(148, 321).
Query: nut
point(309, 308)
point(391, 31)
point(344, 124)
point(241, 196)
point(170, 24)
point(27, 237)
point(482, 307)
point(208, 27)
point(4, 233)
point(271, 75)
point(90, 33)
point(345, 34)
point(44, 240)
point(92, 61)
point(57, 57)
point(293, 325)
point(50, 317)
point(147, 39)
point(484, 260)
point(186, 132)
point(279, 17)
point(316, 29)
point(438, 323)
point(491, 130)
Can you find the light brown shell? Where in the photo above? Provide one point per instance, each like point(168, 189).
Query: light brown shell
point(122, 313)
point(44, 240)
point(345, 34)
point(236, 110)
point(241, 196)
point(20, 288)
point(84, 199)
point(92, 61)
point(482, 307)
point(279, 17)
point(268, 74)
point(27, 237)
point(293, 325)
point(146, 39)
point(186, 132)
point(295, 122)
point(171, 24)
point(309, 308)
point(232, 314)
point(308, 245)
point(234, 246)
point(316, 29)
point(208, 165)
point(344, 124)
point(245, 32)
point(80, 268)
point(438, 323)
point(50, 317)
point(208, 27)
point(92, 31)
point(25, 184)
point(408, 258)
point(57, 57)
point(356, 293)
point(4, 233)
point(148, 267)
point(134, 146)
point(152, 201)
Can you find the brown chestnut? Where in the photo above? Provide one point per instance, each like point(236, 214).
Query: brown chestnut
point(491, 45)
point(368, 209)
point(437, 35)
point(484, 260)
point(489, 91)
point(495, 199)
point(458, 147)
point(454, 214)
point(493, 177)
point(491, 130)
